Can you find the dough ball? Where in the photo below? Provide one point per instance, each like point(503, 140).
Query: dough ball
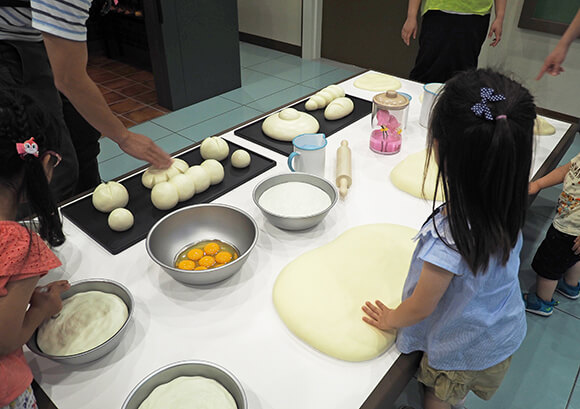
point(241, 159)
point(543, 127)
point(121, 219)
point(153, 176)
point(214, 147)
point(185, 186)
point(339, 108)
point(289, 123)
point(214, 169)
point(109, 196)
point(201, 178)
point(164, 196)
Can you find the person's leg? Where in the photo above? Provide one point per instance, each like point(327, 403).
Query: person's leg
point(572, 275)
point(433, 402)
point(431, 40)
point(545, 288)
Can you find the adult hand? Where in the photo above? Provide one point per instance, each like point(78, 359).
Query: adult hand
point(576, 246)
point(495, 30)
point(533, 188)
point(142, 147)
point(378, 315)
point(409, 29)
point(47, 298)
point(552, 62)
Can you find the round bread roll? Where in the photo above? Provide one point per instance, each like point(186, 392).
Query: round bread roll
point(164, 196)
point(185, 186)
point(338, 108)
point(241, 159)
point(214, 169)
point(289, 123)
point(153, 176)
point(120, 219)
point(201, 178)
point(214, 147)
point(109, 196)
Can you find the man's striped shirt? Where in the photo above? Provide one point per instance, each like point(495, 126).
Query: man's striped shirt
point(61, 18)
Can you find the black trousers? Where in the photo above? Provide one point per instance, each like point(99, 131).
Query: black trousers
point(448, 44)
point(24, 67)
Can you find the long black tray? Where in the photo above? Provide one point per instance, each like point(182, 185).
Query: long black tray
point(94, 223)
point(253, 132)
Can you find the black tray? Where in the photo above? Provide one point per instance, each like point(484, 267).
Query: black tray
point(253, 132)
point(94, 223)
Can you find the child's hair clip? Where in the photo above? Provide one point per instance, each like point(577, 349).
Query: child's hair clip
point(28, 147)
point(481, 108)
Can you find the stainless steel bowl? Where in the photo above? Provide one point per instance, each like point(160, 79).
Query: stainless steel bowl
point(189, 225)
point(295, 223)
point(186, 368)
point(106, 286)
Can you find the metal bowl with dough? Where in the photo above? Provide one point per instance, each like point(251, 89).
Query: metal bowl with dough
point(189, 225)
point(186, 368)
point(103, 285)
point(295, 223)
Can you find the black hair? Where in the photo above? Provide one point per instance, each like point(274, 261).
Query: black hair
point(484, 165)
point(21, 119)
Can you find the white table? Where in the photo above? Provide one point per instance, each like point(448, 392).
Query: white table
point(234, 323)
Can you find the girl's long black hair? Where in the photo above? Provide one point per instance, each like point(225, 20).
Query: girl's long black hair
point(484, 165)
point(22, 119)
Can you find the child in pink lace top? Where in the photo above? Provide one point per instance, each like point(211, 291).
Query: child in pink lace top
point(26, 164)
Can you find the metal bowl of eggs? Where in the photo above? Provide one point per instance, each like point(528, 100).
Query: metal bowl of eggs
point(173, 236)
point(95, 299)
point(295, 201)
point(208, 370)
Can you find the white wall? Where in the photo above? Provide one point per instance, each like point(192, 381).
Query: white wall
point(522, 52)
point(279, 20)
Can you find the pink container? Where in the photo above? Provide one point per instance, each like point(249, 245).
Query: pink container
point(387, 121)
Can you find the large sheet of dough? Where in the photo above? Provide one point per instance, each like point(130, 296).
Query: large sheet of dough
point(408, 176)
point(319, 295)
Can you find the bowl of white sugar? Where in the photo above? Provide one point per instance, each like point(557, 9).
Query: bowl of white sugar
point(295, 201)
point(188, 384)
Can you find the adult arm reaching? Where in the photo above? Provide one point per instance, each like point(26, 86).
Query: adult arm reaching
point(496, 27)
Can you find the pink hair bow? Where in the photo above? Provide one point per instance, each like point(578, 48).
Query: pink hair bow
point(29, 147)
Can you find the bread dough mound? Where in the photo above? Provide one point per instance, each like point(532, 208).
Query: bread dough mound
point(184, 185)
point(320, 294)
point(339, 108)
point(288, 124)
point(241, 159)
point(543, 127)
point(120, 219)
point(164, 196)
point(200, 177)
point(214, 147)
point(153, 176)
point(374, 81)
point(190, 392)
point(408, 176)
point(214, 169)
point(324, 97)
point(109, 196)
point(86, 321)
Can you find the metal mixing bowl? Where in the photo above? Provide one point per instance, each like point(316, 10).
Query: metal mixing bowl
point(186, 368)
point(296, 223)
point(189, 225)
point(106, 286)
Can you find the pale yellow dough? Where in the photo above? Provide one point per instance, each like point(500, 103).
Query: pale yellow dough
point(408, 176)
point(86, 321)
point(374, 81)
point(289, 123)
point(189, 392)
point(543, 127)
point(319, 295)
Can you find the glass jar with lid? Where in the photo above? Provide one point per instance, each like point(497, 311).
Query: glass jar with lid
point(387, 122)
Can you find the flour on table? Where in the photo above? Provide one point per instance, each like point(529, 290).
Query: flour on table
point(294, 199)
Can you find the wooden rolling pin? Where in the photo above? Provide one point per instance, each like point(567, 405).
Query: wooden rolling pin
point(343, 168)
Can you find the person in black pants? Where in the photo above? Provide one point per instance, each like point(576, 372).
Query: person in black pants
point(452, 33)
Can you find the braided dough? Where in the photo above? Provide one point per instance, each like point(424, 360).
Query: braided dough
point(324, 97)
point(288, 124)
point(338, 108)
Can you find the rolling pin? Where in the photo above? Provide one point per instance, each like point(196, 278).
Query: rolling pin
point(343, 168)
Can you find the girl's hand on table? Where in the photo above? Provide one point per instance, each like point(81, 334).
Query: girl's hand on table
point(47, 298)
point(377, 315)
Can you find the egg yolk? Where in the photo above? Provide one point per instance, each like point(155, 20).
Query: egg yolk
point(211, 248)
point(207, 261)
point(217, 265)
point(186, 265)
point(200, 268)
point(195, 254)
point(223, 257)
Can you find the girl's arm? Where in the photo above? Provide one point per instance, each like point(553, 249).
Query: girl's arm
point(553, 178)
point(431, 286)
point(17, 323)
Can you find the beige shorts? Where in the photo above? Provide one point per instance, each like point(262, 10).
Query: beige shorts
point(453, 386)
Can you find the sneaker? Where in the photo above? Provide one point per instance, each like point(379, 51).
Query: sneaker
point(536, 305)
point(567, 290)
